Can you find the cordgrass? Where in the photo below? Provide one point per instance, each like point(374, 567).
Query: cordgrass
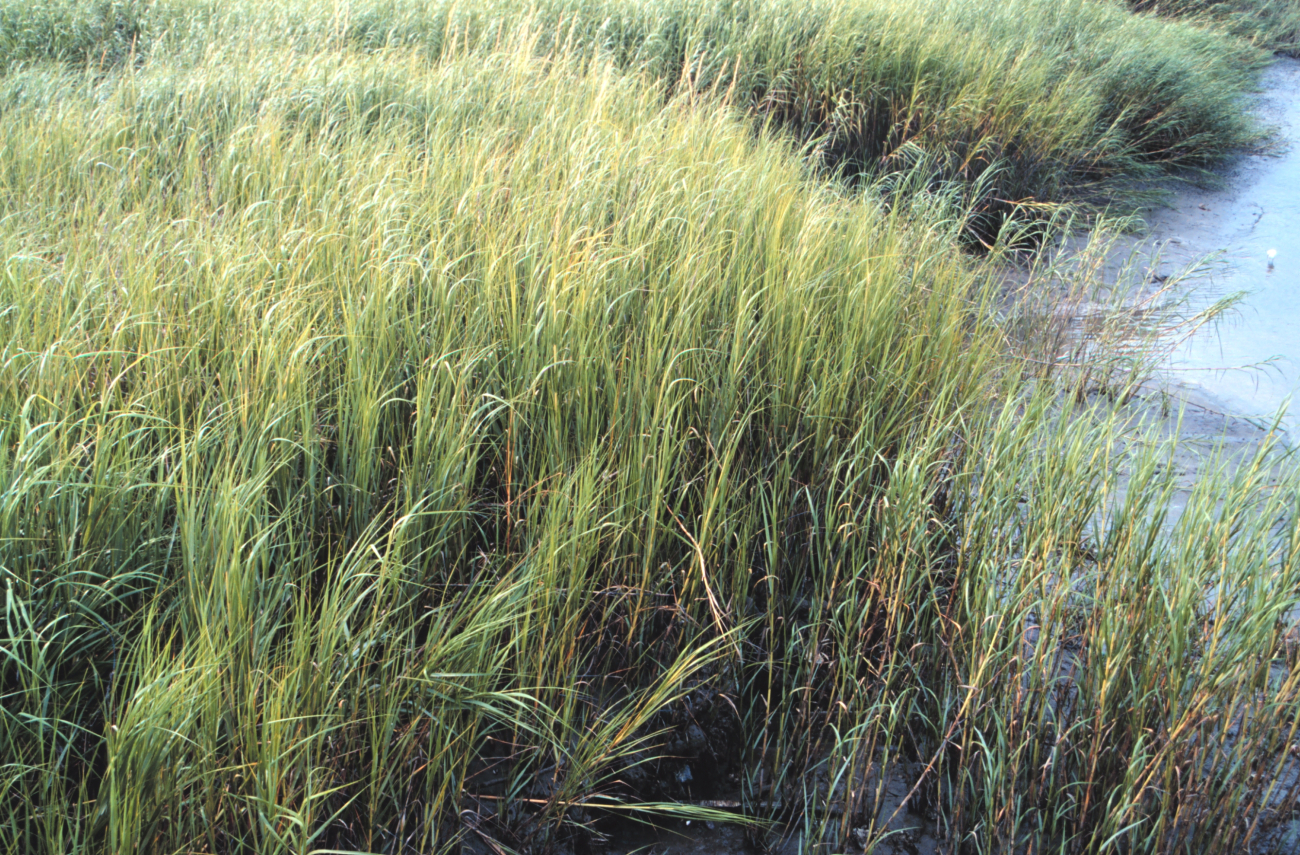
point(1271, 24)
point(1071, 98)
point(402, 448)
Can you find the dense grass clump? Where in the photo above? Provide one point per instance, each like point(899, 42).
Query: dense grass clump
point(396, 452)
point(1273, 24)
point(1060, 93)
point(98, 34)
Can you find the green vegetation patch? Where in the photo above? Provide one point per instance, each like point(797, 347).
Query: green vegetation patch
point(1057, 93)
point(1272, 24)
point(403, 449)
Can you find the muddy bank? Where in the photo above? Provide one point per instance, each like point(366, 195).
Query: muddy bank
point(1226, 390)
point(1249, 364)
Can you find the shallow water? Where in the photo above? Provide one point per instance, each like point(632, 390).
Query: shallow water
point(1257, 209)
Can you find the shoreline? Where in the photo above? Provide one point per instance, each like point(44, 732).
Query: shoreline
point(1185, 402)
point(1212, 240)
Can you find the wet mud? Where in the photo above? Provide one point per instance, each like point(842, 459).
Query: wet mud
point(1244, 236)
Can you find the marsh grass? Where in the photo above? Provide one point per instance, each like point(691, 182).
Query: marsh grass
point(397, 451)
point(1072, 99)
point(1272, 24)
